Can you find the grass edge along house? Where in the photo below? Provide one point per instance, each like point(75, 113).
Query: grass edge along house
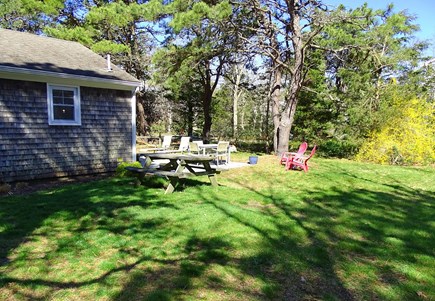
point(64, 110)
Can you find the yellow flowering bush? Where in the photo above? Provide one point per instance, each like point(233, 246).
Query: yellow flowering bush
point(407, 137)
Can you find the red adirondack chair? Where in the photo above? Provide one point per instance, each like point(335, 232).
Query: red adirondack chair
point(286, 156)
point(301, 161)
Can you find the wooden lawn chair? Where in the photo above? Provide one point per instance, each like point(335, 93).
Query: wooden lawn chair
point(300, 161)
point(286, 156)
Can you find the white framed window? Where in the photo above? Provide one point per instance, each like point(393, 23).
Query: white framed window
point(63, 105)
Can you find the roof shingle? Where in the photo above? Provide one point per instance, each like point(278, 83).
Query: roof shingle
point(33, 52)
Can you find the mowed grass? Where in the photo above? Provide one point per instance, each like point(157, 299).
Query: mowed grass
point(342, 231)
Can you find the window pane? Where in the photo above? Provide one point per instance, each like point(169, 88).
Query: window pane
point(63, 112)
point(57, 100)
point(57, 93)
point(68, 101)
point(69, 94)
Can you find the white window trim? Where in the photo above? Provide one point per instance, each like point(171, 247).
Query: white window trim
point(77, 111)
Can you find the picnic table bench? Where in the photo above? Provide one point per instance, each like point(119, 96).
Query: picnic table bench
point(179, 167)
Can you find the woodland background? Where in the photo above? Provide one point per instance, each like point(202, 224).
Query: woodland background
point(265, 74)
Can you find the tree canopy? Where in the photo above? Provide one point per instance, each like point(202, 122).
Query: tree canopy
point(282, 71)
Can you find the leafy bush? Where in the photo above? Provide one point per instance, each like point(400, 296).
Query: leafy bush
point(122, 172)
point(151, 182)
point(407, 137)
point(338, 149)
point(5, 188)
point(257, 146)
point(329, 148)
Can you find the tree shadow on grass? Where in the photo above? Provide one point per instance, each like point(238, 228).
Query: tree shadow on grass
point(384, 229)
point(295, 247)
point(281, 254)
point(309, 254)
point(169, 280)
point(97, 206)
point(275, 265)
point(107, 207)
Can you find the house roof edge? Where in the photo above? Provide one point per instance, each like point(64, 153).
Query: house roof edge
point(84, 78)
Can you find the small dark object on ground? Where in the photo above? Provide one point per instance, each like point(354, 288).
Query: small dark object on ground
point(253, 159)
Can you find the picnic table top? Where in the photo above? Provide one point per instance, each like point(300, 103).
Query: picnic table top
point(172, 156)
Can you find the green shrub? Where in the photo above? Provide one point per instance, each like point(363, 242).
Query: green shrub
point(122, 172)
point(259, 146)
point(5, 188)
point(337, 148)
point(151, 182)
point(329, 148)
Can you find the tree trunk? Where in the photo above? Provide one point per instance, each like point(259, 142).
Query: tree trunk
point(169, 123)
point(206, 106)
point(235, 116)
point(266, 119)
point(209, 84)
point(190, 119)
point(141, 121)
point(237, 93)
point(286, 118)
point(283, 133)
point(275, 92)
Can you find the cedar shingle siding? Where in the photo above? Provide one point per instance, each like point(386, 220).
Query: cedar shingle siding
point(30, 148)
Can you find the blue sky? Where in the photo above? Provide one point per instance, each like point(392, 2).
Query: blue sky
point(424, 10)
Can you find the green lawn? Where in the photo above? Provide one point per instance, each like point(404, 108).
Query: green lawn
point(343, 231)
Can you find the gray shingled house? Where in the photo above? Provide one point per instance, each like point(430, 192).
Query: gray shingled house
point(64, 110)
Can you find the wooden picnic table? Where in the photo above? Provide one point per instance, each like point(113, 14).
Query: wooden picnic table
point(178, 167)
